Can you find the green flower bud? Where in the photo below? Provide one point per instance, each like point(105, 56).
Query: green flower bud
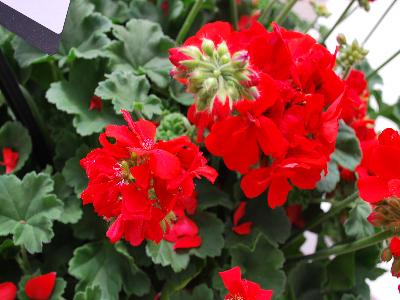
point(222, 49)
point(208, 47)
point(386, 255)
point(173, 125)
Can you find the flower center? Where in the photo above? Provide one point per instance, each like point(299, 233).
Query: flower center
point(213, 74)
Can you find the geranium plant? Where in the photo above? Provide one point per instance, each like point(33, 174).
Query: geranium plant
point(180, 149)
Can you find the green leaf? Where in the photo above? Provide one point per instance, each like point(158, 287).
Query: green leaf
point(57, 293)
point(73, 97)
point(109, 267)
point(84, 36)
point(261, 264)
point(211, 232)
point(90, 226)
point(178, 93)
point(328, 183)
point(348, 152)
point(341, 273)
point(124, 89)
point(211, 196)
point(274, 223)
point(306, 279)
point(117, 11)
point(201, 292)
point(74, 174)
point(13, 135)
point(177, 281)
point(28, 210)
point(165, 255)
point(357, 225)
point(72, 211)
point(91, 293)
point(142, 46)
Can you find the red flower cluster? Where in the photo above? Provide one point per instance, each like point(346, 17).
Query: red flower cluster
point(284, 135)
point(10, 159)
point(379, 171)
point(37, 288)
point(142, 186)
point(241, 288)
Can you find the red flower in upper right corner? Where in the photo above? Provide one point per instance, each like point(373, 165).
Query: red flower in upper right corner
point(8, 291)
point(10, 159)
point(242, 289)
point(379, 171)
point(40, 287)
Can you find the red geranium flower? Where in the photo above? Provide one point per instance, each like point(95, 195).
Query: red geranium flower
point(40, 287)
point(241, 288)
point(379, 171)
point(184, 234)
point(8, 291)
point(10, 159)
point(137, 183)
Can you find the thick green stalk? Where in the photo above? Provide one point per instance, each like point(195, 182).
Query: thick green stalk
point(189, 21)
point(378, 23)
point(266, 12)
point(372, 73)
point(322, 218)
point(234, 14)
point(342, 17)
point(285, 11)
point(23, 261)
point(345, 248)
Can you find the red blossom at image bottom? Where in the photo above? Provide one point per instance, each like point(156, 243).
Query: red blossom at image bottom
point(242, 289)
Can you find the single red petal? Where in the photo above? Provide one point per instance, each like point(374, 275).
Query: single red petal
point(264, 295)
point(41, 287)
point(239, 212)
point(116, 230)
point(208, 172)
point(256, 182)
point(373, 189)
point(8, 291)
point(164, 164)
point(95, 103)
point(232, 279)
point(270, 138)
point(395, 246)
point(10, 159)
point(243, 229)
point(188, 242)
point(278, 191)
point(134, 231)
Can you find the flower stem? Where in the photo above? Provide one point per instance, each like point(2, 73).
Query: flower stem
point(340, 20)
point(23, 260)
point(346, 248)
point(189, 21)
point(372, 73)
point(234, 13)
point(322, 218)
point(378, 23)
point(266, 12)
point(285, 11)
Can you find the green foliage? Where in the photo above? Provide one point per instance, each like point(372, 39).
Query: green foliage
point(28, 210)
point(201, 292)
point(347, 153)
point(73, 97)
point(357, 225)
point(258, 267)
point(109, 267)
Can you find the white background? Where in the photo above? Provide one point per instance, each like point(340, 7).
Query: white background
point(49, 13)
point(384, 43)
